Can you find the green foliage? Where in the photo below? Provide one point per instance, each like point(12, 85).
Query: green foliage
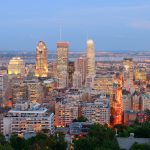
point(44, 142)
point(17, 143)
point(98, 138)
point(2, 139)
point(139, 130)
point(140, 147)
point(122, 130)
point(41, 141)
point(45, 130)
point(6, 147)
point(80, 119)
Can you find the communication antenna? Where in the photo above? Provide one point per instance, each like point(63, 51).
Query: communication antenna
point(60, 32)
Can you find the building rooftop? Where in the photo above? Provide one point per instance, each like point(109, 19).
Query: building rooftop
point(126, 143)
point(98, 103)
point(28, 107)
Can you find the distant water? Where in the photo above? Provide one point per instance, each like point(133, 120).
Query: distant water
point(100, 56)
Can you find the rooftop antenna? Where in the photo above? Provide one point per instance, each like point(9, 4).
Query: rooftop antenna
point(60, 32)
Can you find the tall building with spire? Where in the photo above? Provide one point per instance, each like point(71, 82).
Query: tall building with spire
point(41, 60)
point(90, 70)
point(62, 64)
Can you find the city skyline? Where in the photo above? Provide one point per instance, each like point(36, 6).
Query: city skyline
point(112, 25)
point(75, 75)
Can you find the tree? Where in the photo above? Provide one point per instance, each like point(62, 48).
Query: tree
point(43, 142)
point(40, 141)
point(83, 144)
point(2, 139)
point(140, 147)
point(6, 147)
point(60, 141)
point(45, 130)
point(99, 137)
point(121, 130)
point(17, 143)
point(80, 119)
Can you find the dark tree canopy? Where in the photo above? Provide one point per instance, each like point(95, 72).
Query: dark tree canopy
point(98, 138)
point(140, 147)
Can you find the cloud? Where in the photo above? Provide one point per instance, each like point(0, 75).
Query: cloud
point(144, 25)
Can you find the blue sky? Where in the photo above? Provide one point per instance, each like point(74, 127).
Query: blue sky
point(112, 24)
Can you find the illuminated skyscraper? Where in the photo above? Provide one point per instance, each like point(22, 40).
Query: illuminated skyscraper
point(16, 66)
point(90, 70)
point(90, 58)
point(62, 64)
point(41, 60)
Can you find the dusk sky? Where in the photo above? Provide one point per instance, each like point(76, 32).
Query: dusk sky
point(112, 24)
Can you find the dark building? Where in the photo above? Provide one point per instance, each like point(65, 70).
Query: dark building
point(71, 69)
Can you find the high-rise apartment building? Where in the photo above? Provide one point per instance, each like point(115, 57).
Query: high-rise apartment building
point(62, 64)
point(34, 90)
point(126, 102)
point(41, 60)
point(97, 112)
point(65, 113)
point(19, 91)
point(104, 82)
point(136, 102)
point(27, 118)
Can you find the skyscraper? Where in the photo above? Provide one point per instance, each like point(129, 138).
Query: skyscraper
point(62, 64)
point(90, 58)
point(90, 70)
point(80, 66)
point(41, 60)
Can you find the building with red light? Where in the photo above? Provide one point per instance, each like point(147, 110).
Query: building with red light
point(116, 101)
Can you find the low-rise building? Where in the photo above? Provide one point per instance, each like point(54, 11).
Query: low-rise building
point(129, 117)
